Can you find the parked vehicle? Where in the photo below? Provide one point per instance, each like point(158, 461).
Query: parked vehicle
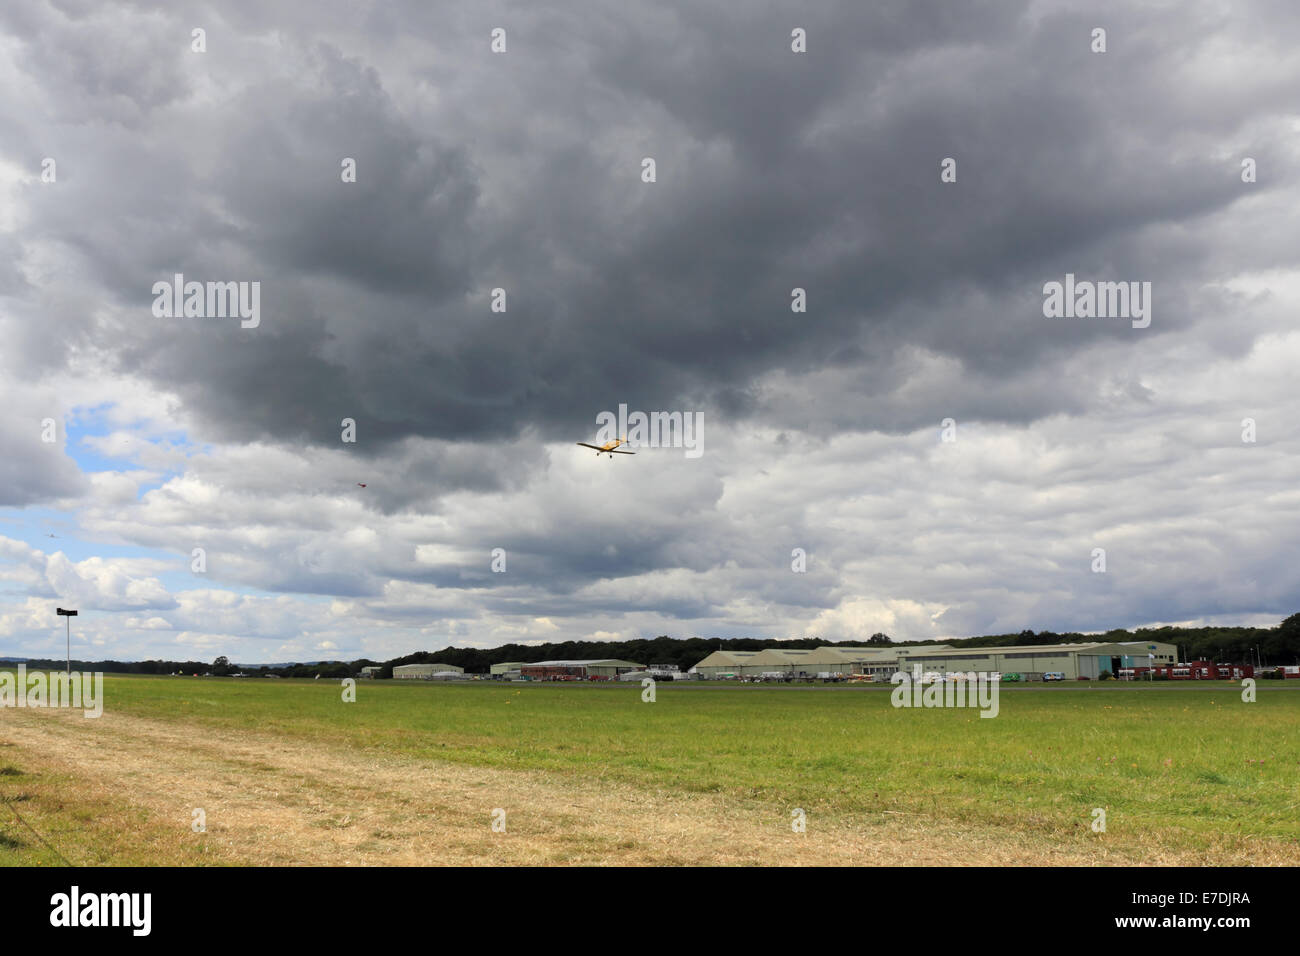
point(1053, 676)
point(1195, 670)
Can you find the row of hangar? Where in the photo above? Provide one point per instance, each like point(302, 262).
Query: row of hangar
point(1083, 661)
point(600, 669)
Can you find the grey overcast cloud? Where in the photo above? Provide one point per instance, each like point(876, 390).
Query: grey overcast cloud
point(837, 263)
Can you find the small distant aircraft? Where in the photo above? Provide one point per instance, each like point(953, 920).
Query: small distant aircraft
point(609, 448)
point(360, 485)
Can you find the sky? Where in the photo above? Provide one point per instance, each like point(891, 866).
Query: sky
point(460, 248)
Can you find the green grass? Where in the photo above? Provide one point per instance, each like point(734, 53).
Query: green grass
point(1151, 754)
point(1194, 764)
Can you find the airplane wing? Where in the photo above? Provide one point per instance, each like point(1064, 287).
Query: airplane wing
point(585, 445)
point(615, 451)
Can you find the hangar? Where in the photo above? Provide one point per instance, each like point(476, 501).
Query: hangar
point(608, 668)
point(424, 671)
point(723, 664)
point(777, 659)
point(880, 661)
point(1085, 660)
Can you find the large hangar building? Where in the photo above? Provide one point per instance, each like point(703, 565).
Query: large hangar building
point(721, 665)
point(424, 671)
point(1075, 661)
point(881, 662)
point(605, 667)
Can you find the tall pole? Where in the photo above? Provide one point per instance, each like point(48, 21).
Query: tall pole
point(69, 613)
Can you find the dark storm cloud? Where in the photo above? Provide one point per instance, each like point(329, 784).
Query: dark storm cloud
point(776, 170)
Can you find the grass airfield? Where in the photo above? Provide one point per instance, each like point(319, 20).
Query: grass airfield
point(286, 772)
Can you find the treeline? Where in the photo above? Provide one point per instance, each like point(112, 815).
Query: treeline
point(115, 667)
point(1227, 645)
point(218, 668)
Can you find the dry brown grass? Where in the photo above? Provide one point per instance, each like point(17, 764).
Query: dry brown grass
point(121, 789)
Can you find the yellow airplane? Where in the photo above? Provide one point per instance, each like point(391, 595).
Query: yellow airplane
point(609, 448)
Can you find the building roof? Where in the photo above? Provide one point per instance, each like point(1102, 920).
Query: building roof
point(781, 655)
point(585, 663)
point(828, 654)
point(983, 651)
point(1141, 647)
point(876, 653)
point(727, 658)
point(799, 655)
point(1044, 649)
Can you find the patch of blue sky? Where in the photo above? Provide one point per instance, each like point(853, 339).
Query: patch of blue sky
point(95, 422)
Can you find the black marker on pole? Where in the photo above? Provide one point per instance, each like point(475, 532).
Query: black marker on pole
point(68, 614)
